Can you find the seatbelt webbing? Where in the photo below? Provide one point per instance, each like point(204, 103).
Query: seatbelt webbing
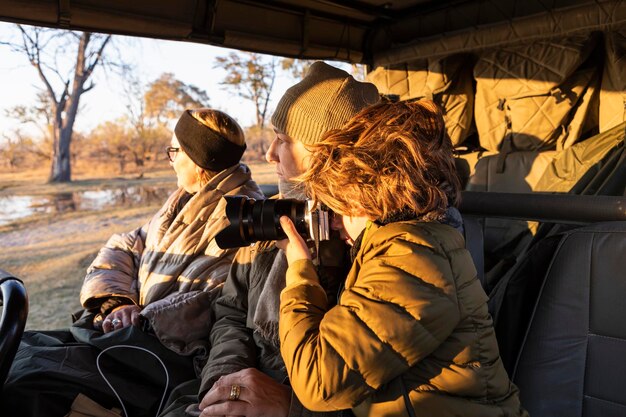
point(474, 244)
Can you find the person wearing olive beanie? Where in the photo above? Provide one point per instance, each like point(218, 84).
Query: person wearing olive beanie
point(325, 99)
point(245, 374)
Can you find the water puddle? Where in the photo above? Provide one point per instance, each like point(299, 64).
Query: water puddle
point(16, 207)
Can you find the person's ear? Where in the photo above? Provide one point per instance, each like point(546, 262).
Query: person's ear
point(200, 176)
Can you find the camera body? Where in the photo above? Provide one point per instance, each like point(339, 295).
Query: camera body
point(259, 220)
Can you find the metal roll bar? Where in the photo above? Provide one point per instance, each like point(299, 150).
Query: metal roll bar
point(553, 208)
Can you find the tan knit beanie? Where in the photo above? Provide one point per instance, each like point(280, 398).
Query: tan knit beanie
point(325, 99)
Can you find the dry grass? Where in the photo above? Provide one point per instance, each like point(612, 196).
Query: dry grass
point(50, 253)
point(34, 182)
point(51, 256)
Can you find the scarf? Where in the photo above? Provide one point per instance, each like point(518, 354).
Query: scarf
point(268, 307)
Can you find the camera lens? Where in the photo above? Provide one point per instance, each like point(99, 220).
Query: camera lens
point(259, 220)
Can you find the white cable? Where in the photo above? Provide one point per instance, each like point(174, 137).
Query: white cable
point(167, 375)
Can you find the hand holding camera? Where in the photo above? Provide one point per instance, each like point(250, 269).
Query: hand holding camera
point(294, 246)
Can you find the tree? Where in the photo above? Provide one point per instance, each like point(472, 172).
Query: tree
point(12, 151)
point(17, 148)
point(143, 132)
point(110, 139)
point(299, 67)
point(44, 49)
point(296, 67)
point(252, 76)
point(39, 115)
point(257, 139)
point(167, 97)
point(151, 107)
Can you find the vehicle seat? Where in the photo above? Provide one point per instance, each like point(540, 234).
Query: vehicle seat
point(571, 362)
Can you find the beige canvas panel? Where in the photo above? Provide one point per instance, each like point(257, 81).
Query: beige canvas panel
point(448, 82)
point(458, 104)
point(548, 122)
point(613, 94)
point(406, 80)
point(527, 91)
point(571, 164)
point(532, 68)
point(540, 122)
point(584, 116)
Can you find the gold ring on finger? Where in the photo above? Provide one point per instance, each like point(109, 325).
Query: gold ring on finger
point(235, 391)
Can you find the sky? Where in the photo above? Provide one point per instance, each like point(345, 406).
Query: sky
point(190, 63)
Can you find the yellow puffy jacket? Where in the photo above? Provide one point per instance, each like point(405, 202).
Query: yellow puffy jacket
point(412, 314)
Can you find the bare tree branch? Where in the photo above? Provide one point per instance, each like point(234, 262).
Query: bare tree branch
point(252, 77)
point(32, 50)
point(46, 51)
point(98, 56)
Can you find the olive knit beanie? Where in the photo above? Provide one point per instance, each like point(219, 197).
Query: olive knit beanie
point(325, 99)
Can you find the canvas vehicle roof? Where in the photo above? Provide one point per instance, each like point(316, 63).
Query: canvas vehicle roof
point(376, 32)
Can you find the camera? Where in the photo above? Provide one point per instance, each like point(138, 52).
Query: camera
point(259, 220)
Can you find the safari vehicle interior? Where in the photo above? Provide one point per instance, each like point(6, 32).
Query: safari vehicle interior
point(534, 97)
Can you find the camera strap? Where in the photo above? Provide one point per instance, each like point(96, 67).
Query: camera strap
point(316, 258)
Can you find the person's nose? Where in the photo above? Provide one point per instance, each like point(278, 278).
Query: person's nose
point(270, 155)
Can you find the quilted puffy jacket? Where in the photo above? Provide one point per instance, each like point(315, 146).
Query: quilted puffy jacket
point(412, 316)
point(237, 342)
point(172, 267)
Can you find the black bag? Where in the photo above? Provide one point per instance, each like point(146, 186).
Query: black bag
point(52, 367)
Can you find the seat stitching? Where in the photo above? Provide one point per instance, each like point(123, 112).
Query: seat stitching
point(603, 400)
point(589, 308)
point(616, 339)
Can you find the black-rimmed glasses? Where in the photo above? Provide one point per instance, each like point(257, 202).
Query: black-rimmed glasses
point(171, 152)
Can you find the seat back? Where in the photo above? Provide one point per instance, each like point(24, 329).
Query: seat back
point(571, 362)
point(512, 300)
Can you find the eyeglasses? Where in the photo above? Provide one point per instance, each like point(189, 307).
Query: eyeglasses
point(171, 152)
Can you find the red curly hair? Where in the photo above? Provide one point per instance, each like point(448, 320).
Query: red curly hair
point(390, 158)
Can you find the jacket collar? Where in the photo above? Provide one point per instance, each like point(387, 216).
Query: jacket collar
point(222, 183)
